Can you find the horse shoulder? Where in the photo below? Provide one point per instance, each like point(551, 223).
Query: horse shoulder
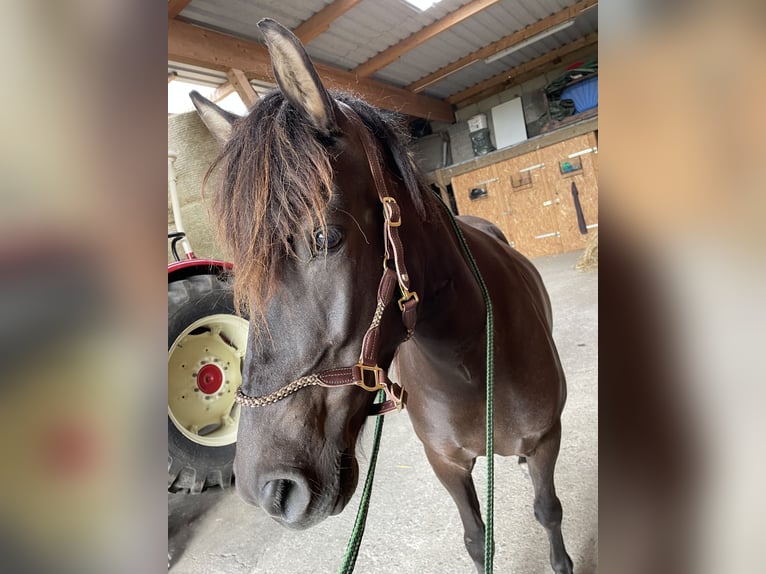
point(497, 259)
point(522, 312)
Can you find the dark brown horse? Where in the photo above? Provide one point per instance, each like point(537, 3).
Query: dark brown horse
point(316, 188)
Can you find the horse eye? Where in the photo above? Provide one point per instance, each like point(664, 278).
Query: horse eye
point(329, 239)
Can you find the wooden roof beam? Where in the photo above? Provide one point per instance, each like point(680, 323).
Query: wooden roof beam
point(551, 56)
point(521, 78)
point(242, 86)
point(503, 43)
point(396, 51)
point(176, 6)
point(321, 21)
point(222, 91)
point(197, 46)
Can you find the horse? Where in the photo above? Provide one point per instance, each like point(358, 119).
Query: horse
point(315, 189)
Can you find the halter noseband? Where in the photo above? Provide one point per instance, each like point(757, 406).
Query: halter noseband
point(366, 373)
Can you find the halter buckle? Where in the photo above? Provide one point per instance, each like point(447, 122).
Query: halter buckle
point(376, 374)
point(406, 297)
point(388, 203)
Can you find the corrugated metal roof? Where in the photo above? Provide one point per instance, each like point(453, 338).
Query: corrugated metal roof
point(374, 25)
point(452, 45)
point(239, 17)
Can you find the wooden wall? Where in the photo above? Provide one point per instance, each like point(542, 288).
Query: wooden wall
point(531, 200)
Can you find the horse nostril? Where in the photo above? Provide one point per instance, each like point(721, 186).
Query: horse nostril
point(274, 495)
point(286, 499)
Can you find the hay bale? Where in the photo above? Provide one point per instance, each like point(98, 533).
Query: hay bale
point(589, 258)
point(196, 149)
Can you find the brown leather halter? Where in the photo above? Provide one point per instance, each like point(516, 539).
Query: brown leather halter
point(366, 373)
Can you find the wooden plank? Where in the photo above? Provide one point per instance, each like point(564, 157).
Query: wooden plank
point(222, 91)
point(197, 46)
point(503, 43)
point(588, 40)
point(396, 51)
point(176, 6)
point(243, 88)
point(321, 21)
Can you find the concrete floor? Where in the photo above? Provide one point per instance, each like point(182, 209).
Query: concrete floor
point(413, 525)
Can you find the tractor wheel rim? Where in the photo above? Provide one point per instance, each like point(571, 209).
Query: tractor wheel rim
point(204, 372)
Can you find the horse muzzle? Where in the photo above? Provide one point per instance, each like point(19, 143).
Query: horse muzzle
point(285, 496)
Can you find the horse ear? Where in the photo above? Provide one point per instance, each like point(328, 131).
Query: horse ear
point(218, 121)
point(296, 75)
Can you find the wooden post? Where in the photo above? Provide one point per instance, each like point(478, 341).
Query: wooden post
point(222, 91)
point(242, 86)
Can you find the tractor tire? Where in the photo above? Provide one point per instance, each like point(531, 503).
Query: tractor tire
point(206, 347)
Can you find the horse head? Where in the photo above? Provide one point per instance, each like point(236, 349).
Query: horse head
point(300, 212)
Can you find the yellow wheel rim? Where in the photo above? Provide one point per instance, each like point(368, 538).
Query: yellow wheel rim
point(204, 372)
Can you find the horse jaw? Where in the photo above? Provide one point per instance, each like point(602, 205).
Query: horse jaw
point(218, 121)
point(297, 78)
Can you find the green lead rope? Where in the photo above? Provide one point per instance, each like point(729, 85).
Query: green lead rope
point(489, 527)
point(352, 550)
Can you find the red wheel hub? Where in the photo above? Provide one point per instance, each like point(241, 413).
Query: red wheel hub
point(210, 379)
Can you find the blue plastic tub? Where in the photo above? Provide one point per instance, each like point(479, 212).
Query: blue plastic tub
point(584, 95)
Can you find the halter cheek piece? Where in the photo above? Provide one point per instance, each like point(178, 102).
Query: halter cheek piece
point(366, 373)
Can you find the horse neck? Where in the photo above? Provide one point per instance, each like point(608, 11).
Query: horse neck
point(452, 311)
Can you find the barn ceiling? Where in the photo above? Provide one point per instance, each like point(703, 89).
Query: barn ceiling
point(423, 63)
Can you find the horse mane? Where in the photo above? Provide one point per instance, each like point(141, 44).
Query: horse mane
point(276, 175)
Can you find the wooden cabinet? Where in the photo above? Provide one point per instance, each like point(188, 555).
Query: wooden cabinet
point(489, 205)
point(531, 211)
point(530, 196)
point(567, 163)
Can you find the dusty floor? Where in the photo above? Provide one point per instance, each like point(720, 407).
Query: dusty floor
point(413, 525)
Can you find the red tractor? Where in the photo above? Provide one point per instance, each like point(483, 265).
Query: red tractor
point(206, 347)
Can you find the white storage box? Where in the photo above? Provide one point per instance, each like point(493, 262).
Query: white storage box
point(477, 122)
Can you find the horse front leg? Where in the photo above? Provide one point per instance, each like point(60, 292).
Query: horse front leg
point(456, 478)
point(542, 464)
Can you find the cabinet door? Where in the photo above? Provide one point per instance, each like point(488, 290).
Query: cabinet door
point(529, 209)
point(488, 206)
point(568, 162)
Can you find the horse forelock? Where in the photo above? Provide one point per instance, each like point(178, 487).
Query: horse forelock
point(275, 175)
